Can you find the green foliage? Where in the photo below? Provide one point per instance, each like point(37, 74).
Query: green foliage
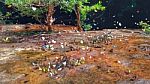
point(145, 26)
point(69, 5)
point(26, 8)
point(87, 26)
point(1, 17)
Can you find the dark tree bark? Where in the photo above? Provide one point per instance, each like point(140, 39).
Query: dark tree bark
point(77, 11)
point(49, 17)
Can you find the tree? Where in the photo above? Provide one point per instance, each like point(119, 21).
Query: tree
point(36, 8)
point(81, 8)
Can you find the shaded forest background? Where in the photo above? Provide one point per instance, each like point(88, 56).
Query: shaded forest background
point(118, 14)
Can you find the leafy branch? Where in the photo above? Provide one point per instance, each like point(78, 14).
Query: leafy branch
point(70, 5)
point(145, 26)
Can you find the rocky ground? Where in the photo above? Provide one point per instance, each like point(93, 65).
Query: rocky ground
point(94, 57)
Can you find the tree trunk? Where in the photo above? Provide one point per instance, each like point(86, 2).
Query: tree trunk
point(77, 11)
point(49, 17)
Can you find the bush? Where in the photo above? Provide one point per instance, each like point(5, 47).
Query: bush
point(145, 26)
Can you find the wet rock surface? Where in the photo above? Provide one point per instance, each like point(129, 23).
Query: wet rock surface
point(140, 81)
point(97, 57)
point(9, 78)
